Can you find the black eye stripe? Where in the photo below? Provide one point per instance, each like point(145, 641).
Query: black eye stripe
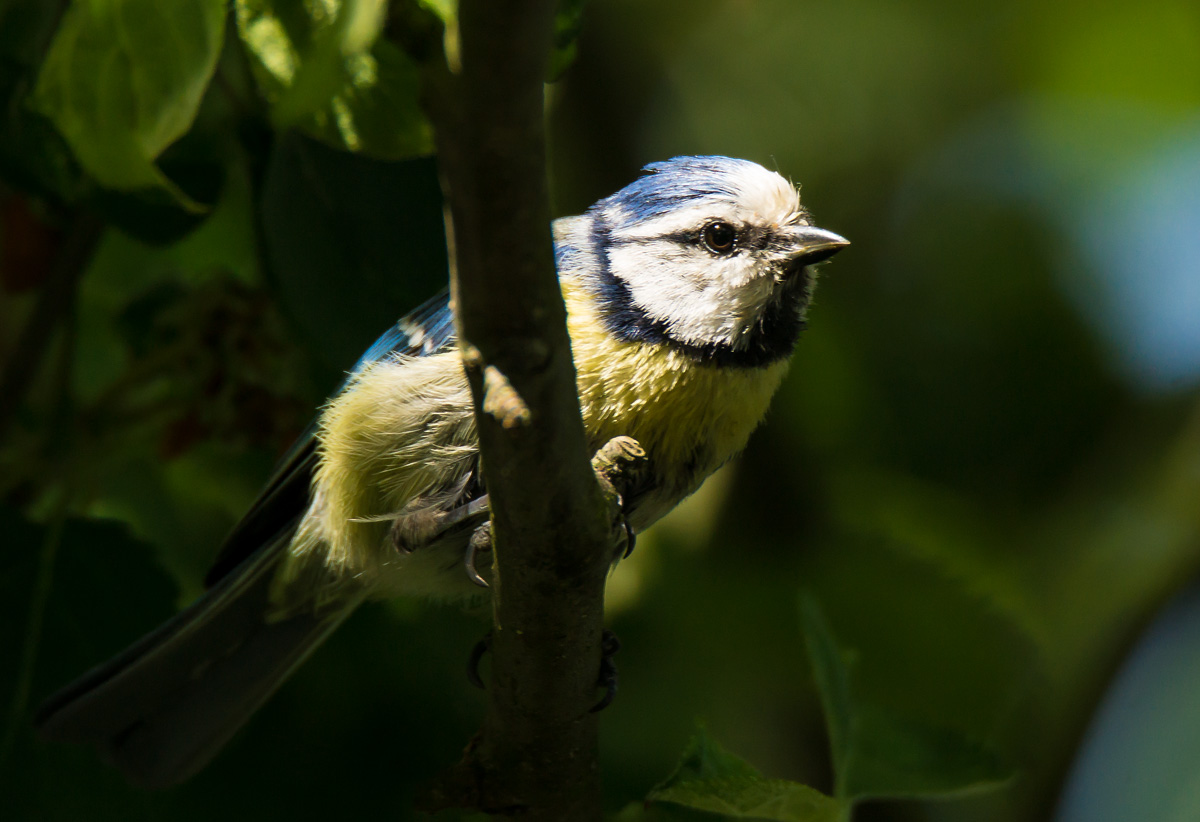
point(748, 237)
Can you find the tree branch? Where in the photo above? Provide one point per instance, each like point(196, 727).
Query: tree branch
point(552, 521)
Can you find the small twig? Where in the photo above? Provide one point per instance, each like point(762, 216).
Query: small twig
point(33, 625)
point(59, 511)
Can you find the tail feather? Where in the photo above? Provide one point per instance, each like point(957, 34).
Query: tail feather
point(164, 707)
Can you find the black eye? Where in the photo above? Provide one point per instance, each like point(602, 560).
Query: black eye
point(719, 237)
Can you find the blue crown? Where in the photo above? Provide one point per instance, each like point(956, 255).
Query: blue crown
point(672, 183)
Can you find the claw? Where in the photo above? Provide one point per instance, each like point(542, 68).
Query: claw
point(607, 678)
point(481, 540)
point(447, 526)
point(632, 539)
point(481, 647)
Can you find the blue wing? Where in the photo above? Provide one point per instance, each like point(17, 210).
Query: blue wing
point(427, 330)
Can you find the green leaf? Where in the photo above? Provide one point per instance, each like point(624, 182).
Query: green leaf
point(33, 156)
point(710, 778)
point(106, 589)
point(71, 595)
point(447, 12)
point(123, 80)
point(831, 670)
point(644, 811)
point(325, 70)
point(878, 754)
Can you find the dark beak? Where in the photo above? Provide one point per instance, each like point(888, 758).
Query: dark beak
point(813, 245)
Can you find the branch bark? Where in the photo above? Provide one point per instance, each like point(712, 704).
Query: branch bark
point(552, 522)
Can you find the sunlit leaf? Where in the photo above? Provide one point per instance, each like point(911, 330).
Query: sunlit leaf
point(324, 69)
point(123, 80)
point(878, 754)
point(447, 12)
point(710, 778)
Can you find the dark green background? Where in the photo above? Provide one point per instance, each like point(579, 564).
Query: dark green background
point(984, 464)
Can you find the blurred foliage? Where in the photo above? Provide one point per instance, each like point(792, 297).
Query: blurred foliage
point(877, 753)
point(326, 71)
point(709, 778)
point(122, 81)
point(984, 468)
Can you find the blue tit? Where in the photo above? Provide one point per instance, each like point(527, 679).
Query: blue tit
point(685, 293)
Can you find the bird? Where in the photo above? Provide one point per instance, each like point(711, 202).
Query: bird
point(686, 292)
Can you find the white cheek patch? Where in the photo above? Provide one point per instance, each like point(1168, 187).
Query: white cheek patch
point(701, 298)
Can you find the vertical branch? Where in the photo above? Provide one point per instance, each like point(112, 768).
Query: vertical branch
point(537, 753)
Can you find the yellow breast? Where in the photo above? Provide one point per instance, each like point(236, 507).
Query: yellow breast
point(690, 417)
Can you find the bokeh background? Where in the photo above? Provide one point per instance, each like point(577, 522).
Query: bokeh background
point(984, 465)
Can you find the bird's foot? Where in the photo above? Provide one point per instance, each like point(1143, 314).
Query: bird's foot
point(622, 468)
point(481, 647)
point(480, 542)
point(607, 678)
point(423, 529)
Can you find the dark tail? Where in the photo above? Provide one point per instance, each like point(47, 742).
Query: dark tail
point(165, 706)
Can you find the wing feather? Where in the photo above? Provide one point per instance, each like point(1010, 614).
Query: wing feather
point(427, 330)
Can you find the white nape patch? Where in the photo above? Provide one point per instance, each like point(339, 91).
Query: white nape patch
point(706, 298)
point(414, 332)
point(418, 339)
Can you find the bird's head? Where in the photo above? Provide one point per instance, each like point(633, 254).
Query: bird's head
point(711, 255)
